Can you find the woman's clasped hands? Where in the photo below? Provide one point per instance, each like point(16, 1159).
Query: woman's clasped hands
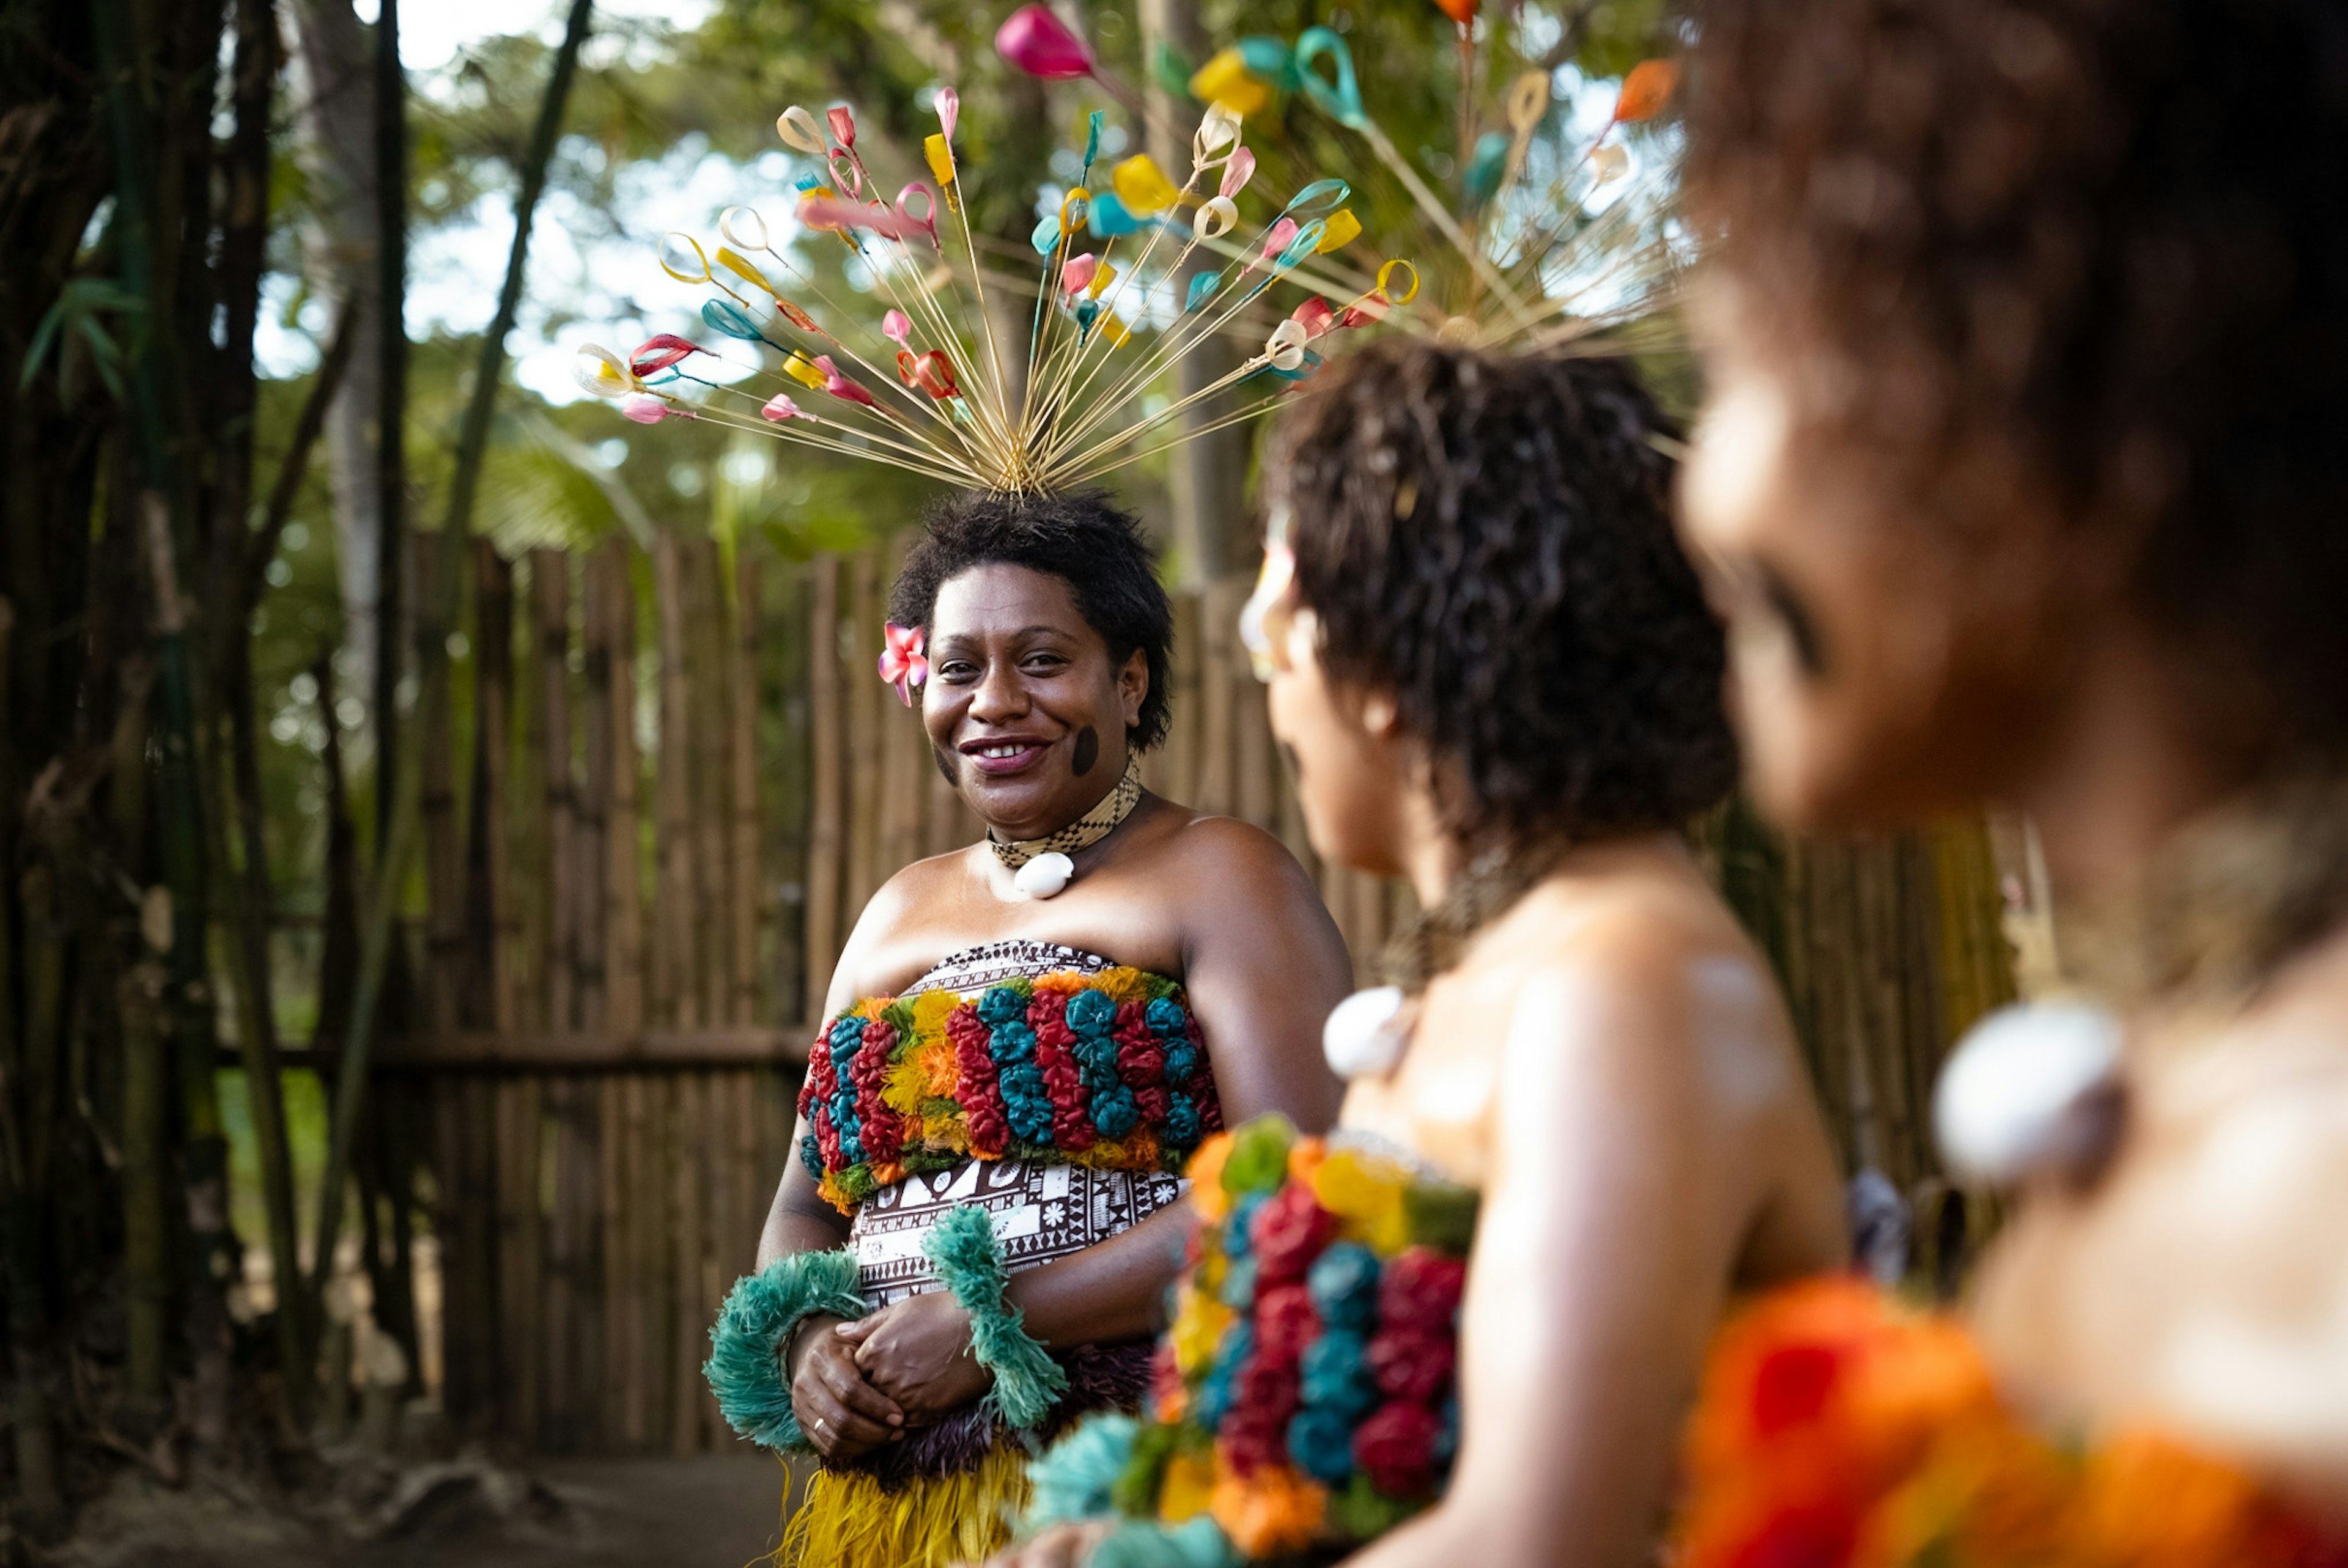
point(858, 1383)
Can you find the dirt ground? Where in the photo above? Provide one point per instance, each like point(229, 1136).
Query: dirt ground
point(712, 1512)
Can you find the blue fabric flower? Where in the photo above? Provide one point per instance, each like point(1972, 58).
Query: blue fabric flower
point(1182, 1124)
point(1238, 1237)
point(1239, 1285)
point(1091, 1012)
point(1025, 1104)
point(1214, 1400)
point(811, 1156)
point(1336, 1375)
point(1115, 1112)
point(1095, 1057)
point(1182, 1063)
point(1001, 1004)
point(1344, 1281)
point(1321, 1443)
point(1011, 1042)
point(1166, 1018)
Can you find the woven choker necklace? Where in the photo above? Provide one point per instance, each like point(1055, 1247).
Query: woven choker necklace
point(1041, 866)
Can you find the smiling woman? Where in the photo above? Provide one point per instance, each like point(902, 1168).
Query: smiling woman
point(974, 1245)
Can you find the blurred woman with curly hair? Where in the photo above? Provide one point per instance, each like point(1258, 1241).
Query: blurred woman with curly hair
point(2024, 480)
point(1497, 678)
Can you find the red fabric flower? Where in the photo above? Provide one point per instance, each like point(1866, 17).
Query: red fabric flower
point(1063, 1077)
point(981, 1096)
point(880, 1132)
point(1395, 1447)
point(1141, 1060)
point(1411, 1363)
point(1166, 1389)
point(1288, 1233)
point(1286, 1323)
point(1421, 1289)
point(1791, 1385)
point(1255, 1431)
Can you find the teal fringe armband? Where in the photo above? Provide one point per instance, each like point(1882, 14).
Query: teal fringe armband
point(759, 1314)
point(1026, 1380)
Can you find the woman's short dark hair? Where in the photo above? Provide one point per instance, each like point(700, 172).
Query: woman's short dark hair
point(2101, 243)
point(1087, 541)
point(1490, 540)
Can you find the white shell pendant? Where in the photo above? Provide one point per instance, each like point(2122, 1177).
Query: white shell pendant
point(1363, 1035)
point(1043, 876)
point(2017, 1092)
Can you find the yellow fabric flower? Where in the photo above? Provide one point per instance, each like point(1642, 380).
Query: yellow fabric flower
point(1366, 1196)
point(1198, 1327)
point(1122, 984)
point(930, 1010)
point(1188, 1487)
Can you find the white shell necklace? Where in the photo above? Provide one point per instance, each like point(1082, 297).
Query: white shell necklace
point(1040, 868)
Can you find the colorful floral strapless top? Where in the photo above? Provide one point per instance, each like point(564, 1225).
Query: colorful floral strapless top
point(1102, 1068)
point(1838, 1430)
point(1304, 1399)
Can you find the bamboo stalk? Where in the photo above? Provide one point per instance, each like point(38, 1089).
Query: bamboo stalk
point(623, 889)
point(456, 1395)
point(1189, 663)
point(491, 926)
point(609, 1376)
point(674, 997)
point(591, 816)
point(826, 830)
point(708, 784)
point(742, 745)
point(862, 623)
point(1215, 787)
point(146, 1243)
point(444, 865)
point(640, 1423)
point(722, 1094)
point(550, 582)
point(520, 1261)
point(687, 1327)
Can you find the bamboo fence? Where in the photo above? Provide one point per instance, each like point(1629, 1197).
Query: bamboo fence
point(681, 780)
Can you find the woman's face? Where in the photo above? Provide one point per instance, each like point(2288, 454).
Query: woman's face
point(1885, 667)
point(1024, 709)
point(1341, 745)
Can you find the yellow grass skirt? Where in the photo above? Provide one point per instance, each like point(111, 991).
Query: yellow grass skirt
point(848, 1520)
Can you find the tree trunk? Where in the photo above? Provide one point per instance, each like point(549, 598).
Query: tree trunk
point(335, 111)
point(391, 408)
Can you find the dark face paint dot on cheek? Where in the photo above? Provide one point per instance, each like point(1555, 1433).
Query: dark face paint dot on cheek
point(1087, 751)
point(944, 759)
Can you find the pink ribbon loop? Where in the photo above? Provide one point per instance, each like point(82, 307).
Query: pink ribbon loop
point(659, 352)
point(926, 220)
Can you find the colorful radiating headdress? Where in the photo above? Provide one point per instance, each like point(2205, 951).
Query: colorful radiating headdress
point(1548, 241)
point(1132, 273)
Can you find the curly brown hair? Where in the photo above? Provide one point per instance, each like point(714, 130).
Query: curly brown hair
point(2097, 247)
point(1490, 540)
